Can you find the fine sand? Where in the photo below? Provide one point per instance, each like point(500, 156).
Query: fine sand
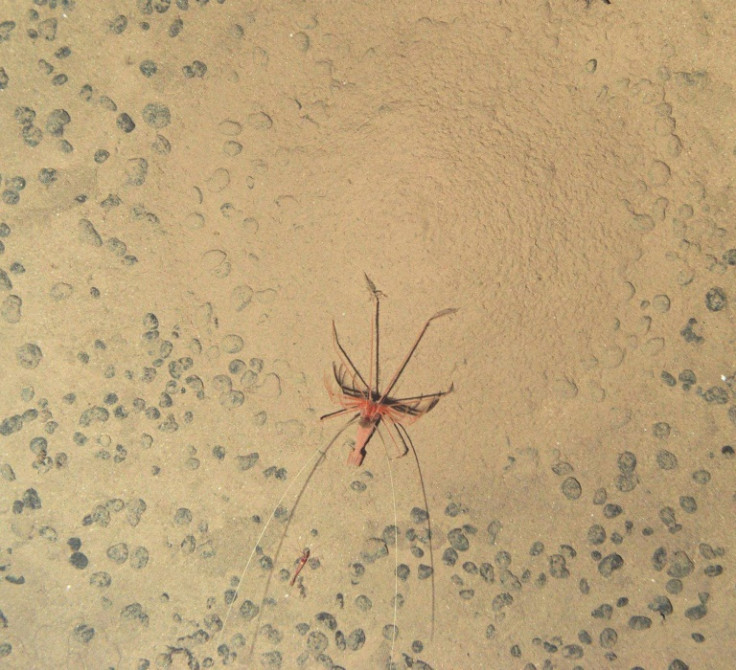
point(192, 192)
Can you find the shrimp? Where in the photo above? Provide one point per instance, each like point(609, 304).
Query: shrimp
point(369, 405)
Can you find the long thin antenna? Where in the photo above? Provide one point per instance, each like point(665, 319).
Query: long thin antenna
point(406, 439)
point(396, 550)
point(320, 453)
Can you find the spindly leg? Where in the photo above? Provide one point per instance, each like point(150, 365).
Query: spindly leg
point(391, 428)
point(332, 415)
point(395, 378)
point(346, 359)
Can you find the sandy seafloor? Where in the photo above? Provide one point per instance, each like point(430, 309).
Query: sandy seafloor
point(192, 192)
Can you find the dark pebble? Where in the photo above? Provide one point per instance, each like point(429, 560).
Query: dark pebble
point(509, 580)
point(688, 504)
point(31, 499)
point(571, 488)
point(363, 603)
point(584, 637)
point(118, 553)
point(403, 571)
point(680, 565)
point(687, 378)
point(701, 476)
point(156, 115)
point(5, 282)
point(100, 579)
point(596, 534)
point(715, 299)
point(84, 633)
point(558, 567)
point(562, 468)
point(390, 632)
point(161, 146)
point(697, 612)
point(627, 462)
point(453, 510)
point(677, 664)
point(390, 534)
point(79, 560)
point(688, 332)
point(713, 570)
point(611, 511)
point(503, 559)
point(39, 446)
point(458, 540)
point(11, 424)
point(674, 586)
point(249, 610)
point(469, 567)
point(29, 356)
point(659, 558)
point(135, 612)
point(573, 651)
point(639, 622)
point(717, 395)
point(667, 517)
point(604, 611)
point(326, 620)
point(139, 559)
point(706, 551)
point(494, 528)
point(662, 605)
point(118, 24)
point(424, 571)
point(666, 460)
point(610, 564)
point(536, 549)
point(56, 122)
point(125, 123)
point(177, 25)
point(729, 257)
point(608, 638)
point(661, 430)
point(356, 639)
point(47, 175)
point(668, 378)
point(487, 572)
point(148, 68)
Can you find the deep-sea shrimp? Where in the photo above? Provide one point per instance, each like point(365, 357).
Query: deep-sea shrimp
point(371, 406)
